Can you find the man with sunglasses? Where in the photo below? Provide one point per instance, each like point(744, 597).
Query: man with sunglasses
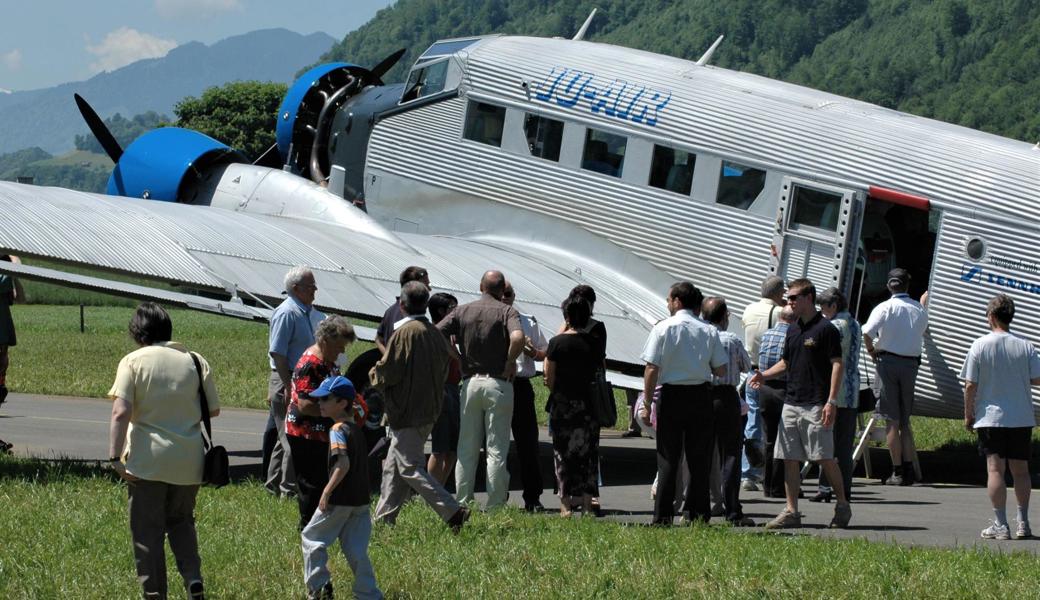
point(812, 361)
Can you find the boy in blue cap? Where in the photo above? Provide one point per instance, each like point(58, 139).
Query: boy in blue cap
point(343, 509)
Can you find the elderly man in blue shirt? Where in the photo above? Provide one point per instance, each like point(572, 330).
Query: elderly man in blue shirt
point(292, 332)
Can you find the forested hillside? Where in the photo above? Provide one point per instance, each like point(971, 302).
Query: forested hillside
point(972, 62)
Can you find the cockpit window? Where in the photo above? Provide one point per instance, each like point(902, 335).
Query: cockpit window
point(426, 80)
point(447, 47)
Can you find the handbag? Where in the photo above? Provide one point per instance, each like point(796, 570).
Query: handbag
point(867, 398)
point(215, 467)
point(602, 407)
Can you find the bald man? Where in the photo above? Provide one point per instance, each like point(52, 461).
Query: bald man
point(490, 339)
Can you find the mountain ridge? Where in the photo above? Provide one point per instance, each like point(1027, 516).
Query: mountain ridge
point(153, 84)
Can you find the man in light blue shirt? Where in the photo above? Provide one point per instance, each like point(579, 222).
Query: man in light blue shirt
point(682, 353)
point(292, 332)
point(998, 372)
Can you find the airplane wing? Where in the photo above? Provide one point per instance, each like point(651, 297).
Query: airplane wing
point(207, 250)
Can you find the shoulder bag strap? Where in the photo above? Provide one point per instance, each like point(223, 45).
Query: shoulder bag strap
point(207, 436)
point(772, 311)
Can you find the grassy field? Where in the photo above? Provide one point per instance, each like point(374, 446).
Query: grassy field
point(84, 364)
point(250, 549)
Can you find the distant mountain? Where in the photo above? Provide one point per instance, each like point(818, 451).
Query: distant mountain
point(48, 119)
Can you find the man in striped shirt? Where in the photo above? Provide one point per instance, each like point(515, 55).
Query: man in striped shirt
point(771, 400)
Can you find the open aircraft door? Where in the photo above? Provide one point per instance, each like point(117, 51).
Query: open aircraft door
point(817, 226)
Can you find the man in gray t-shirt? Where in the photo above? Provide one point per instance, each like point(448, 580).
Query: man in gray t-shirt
point(997, 373)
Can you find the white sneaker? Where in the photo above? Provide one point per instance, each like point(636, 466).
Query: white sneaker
point(1023, 532)
point(996, 532)
point(749, 485)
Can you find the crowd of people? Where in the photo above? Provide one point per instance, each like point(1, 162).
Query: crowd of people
point(728, 414)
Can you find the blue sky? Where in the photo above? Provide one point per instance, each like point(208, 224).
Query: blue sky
point(47, 42)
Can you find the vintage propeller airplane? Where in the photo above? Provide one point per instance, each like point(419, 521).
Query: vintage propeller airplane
point(562, 162)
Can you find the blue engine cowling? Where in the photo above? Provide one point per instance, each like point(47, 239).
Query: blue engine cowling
point(158, 164)
point(307, 110)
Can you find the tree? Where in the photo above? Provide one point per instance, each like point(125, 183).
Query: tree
point(124, 130)
point(242, 114)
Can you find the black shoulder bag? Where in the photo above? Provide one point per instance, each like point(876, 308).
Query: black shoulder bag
point(603, 408)
point(215, 468)
point(867, 398)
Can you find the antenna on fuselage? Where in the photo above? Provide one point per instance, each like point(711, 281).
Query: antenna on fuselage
point(703, 60)
point(584, 27)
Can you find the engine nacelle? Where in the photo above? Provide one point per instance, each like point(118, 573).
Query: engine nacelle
point(161, 163)
point(305, 117)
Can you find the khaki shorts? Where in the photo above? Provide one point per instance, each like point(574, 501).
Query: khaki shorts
point(802, 435)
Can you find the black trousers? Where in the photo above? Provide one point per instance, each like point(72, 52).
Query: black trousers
point(771, 406)
point(685, 425)
point(729, 438)
point(525, 436)
point(311, 461)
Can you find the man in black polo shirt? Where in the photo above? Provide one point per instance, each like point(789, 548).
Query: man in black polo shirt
point(812, 361)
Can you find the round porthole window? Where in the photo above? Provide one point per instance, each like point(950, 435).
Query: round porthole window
point(975, 249)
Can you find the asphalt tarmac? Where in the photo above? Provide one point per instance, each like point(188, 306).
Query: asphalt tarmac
point(941, 515)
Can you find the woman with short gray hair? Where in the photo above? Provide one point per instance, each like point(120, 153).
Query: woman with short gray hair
point(305, 428)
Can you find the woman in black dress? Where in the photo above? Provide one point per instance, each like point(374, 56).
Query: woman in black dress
point(570, 365)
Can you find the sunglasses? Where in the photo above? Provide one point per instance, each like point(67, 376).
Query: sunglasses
point(795, 297)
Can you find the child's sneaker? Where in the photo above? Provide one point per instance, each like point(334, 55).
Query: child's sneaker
point(1023, 532)
point(325, 593)
point(996, 531)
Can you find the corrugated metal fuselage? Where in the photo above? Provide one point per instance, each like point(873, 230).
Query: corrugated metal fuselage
point(422, 175)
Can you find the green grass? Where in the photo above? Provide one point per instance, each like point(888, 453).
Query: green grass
point(66, 535)
point(53, 357)
point(37, 292)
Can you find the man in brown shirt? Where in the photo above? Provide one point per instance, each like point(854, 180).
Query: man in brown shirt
point(490, 339)
point(411, 378)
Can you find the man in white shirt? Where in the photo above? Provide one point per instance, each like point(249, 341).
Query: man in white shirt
point(682, 353)
point(525, 421)
point(898, 325)
point(998, 372)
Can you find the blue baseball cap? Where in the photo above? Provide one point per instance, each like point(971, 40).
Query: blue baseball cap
point(338, 386)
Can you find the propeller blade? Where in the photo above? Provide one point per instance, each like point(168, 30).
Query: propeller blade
point(98, 128)
point(386, 64)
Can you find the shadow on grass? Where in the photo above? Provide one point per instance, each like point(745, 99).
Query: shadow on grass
point(44, 471)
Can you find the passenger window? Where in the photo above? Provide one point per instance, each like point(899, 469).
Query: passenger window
point(672, 169)
point(604, 152)
point(425, 81)
point(544, 136)
point(739, 185)
point(484, 123)
point(814, 208)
